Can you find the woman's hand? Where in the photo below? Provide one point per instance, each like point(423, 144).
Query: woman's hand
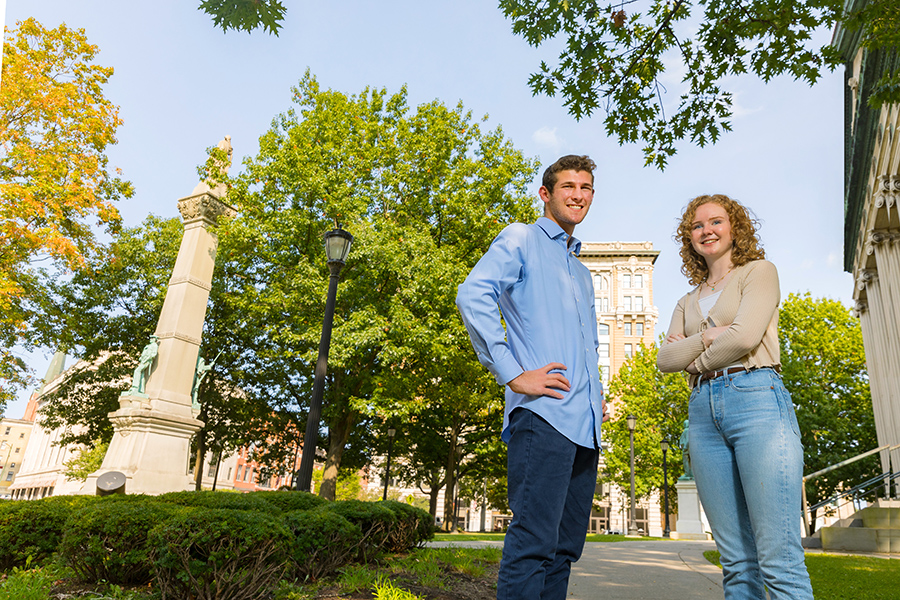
point(674, 337)
point(692, 369)
point(709, 336)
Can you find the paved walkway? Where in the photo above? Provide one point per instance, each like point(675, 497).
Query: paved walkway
point(640, 570)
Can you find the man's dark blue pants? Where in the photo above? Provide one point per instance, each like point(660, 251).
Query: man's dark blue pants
point(551, 483)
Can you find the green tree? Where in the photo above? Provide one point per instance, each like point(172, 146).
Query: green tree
point(55, 181)
point(245, 15)
point(88, 460)
point(660, 403)
point(105, 312)
point(423, 192)
point(613, 56)
point(824, 368)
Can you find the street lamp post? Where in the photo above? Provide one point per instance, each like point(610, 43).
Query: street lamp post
point(632, 525)
point(665, 448)
point(387, 472)
point(337, 246)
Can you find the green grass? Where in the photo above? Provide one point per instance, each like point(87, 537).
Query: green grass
point(498, 537)
point(836, 577)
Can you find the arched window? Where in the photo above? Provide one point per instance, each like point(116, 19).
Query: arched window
point(602, 329)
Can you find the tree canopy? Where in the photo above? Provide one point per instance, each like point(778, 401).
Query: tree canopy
point(245, 15)
point(623, 58)
point(423, 191)
point(55, 180)
point(660, 403)
point(824, 368)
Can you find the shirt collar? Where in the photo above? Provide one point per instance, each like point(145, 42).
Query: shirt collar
point(554, 231)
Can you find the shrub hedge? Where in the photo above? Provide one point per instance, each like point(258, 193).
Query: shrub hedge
point(289, 500)
point(212, 554)
point(206, 545)
point(107, 541)
point(323, 542)
point(34, 528)
point(374, 520)
point(224, 500)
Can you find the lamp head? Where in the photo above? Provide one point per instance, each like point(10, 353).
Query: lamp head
point(664, 445)
point(631, 420)
point(337, 245)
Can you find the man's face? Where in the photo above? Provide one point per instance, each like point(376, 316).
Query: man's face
point(568, 202)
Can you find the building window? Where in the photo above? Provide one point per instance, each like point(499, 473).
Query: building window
point(626, 302)
point(628, 351)
point(604, 373)
point(626, 280)
point(638, 303)
point(627, 327)
point(247, 473)
point(22, 435)
point(212, 470)
point(229, 474)
point(604, 350)
point(638, 281)
point(10, 476)
point(240, 469)
point(604, 304)
point(602, 329)
point(639, 329)
point(8, 429)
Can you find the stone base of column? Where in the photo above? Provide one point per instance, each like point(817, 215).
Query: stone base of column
point(150, 447)
point(689, 525)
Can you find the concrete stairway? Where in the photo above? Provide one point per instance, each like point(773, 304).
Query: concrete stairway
point(875, 528)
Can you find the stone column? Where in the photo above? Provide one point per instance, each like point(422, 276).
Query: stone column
point(886, 247)
point(690, 523)
point(151, 443)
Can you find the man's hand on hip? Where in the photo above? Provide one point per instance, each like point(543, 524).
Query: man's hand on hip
point(541, 382)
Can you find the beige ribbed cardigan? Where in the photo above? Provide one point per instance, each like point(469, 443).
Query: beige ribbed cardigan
point(748, 305)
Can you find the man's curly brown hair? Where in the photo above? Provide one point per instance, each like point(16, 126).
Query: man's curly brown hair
point(746, 246)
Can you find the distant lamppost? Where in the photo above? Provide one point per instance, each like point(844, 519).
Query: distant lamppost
point(337, 246)
point(632, 525)
point(665, 448)
point(387, 472)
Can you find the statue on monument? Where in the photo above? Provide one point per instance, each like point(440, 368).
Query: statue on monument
point(684, 444)
point(199, 375)
point(142, 370)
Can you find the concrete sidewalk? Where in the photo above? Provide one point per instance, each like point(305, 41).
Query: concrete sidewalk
point(640, 570)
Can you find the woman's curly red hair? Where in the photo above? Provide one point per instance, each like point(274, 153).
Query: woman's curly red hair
point(746, 246)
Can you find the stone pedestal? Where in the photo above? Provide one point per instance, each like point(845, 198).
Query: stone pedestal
point(690, 525)
point(151, 443)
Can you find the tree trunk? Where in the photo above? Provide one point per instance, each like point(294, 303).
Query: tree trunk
point(449, 492)
point(338, 434)
point(198, 462)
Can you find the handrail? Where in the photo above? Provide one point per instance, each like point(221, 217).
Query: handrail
point(843, 463)
point(862, 487)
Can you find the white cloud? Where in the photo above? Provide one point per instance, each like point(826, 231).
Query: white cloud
point(545, 136)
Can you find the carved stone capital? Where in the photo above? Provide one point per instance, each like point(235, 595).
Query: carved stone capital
point(865, 277)
point(205, 207)
point(853, 83)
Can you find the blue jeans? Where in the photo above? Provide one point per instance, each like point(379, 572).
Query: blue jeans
point(748, 463)
point(550, 483)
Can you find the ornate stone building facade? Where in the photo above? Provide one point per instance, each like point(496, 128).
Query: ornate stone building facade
point(872, 226)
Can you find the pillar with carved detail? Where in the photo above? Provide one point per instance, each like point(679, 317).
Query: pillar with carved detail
point(151, 443)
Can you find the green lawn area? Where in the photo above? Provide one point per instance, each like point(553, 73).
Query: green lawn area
point(478, 537)
point(837, 577)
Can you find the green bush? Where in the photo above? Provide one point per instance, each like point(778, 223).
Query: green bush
point(224, 500)
point(34, 528)
point(412, 527)
point(289, 501)
point(374, 520)
point(214, 554)
point(323, 542)
point(107, 541)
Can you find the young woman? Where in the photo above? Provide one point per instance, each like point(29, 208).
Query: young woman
point(744, 439)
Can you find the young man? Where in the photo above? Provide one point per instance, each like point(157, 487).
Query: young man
point(547, 359)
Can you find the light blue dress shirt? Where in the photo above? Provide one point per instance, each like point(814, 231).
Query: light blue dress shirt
point(532, 273)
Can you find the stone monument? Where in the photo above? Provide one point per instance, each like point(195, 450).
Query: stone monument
point(155, 422)
point(691, 522)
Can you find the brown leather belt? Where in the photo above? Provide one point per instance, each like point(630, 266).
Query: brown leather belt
point(730, 371)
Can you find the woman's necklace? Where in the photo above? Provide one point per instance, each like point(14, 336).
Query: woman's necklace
point(712, 286)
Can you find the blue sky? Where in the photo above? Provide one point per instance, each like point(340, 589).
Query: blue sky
point(182, 85)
